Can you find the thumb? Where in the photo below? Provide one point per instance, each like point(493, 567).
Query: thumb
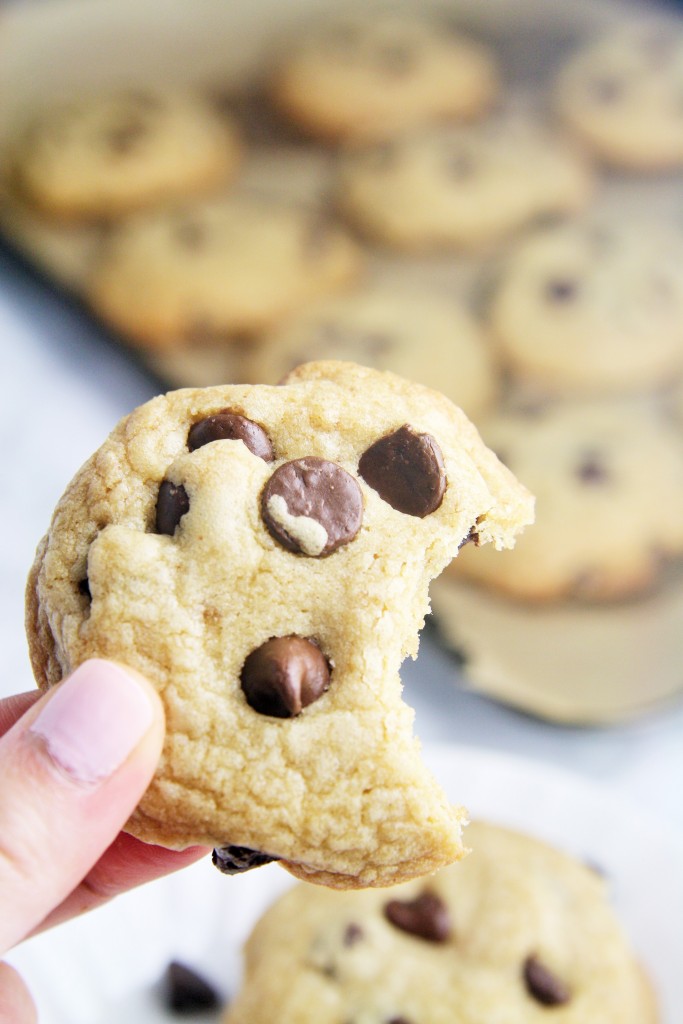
point(71, 771)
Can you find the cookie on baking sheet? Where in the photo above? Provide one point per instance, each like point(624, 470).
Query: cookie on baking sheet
point(415, 333)
point(462, 187)
point(623, 95)
point(370, 76)
point(263, 555)
point(608, 477)
point(102, 156)
point(593, 305)
point(216, 270)
point(518, 933)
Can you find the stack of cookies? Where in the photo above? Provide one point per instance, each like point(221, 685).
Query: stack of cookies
point(390, 194)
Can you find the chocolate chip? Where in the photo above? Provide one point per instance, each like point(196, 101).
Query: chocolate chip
point(284, 675)
point(426, 917)
point(84, 588)
point(591, 470)
point(172, 504)
point(542, 985)
point(124, 137)
point(605, 90)
point(471, 538)
point(190, 234)
point(459, 165)
point(186, 992)
point(231, 426)
point(560, 290)
point(353, 934)
point(407, 471)
point(312, 506)
point(397, 58)
point(235, 860)
point(399, 1020)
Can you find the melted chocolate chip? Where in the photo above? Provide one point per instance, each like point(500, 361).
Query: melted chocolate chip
point(591, 470)
point(353, 934)
point(312, 506)
point(542, 985)
point(425, 917)
point(235, 860)
point(84, 588)
point(560, 290)
point(172, 504)
point(186, 992)
point(284, 675)
point(231, 426)
point(407, 471)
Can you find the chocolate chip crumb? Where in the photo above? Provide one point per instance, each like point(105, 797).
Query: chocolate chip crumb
point(591, 470)
point(542, 985)
point(185, 992)
point(172, 504)
point(231, 426)
point(284, 675)
point(426, 917)
point(407, 471)
point(353, 934)
point(560, 290)
point(235, 860)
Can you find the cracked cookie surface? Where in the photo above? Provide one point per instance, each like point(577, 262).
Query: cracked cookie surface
point(170, 552)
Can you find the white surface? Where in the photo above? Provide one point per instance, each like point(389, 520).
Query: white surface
point(103, 968)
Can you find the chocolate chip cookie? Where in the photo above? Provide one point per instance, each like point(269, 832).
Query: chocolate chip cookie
point(518, 933)
point(263, 555)
point(418, 334)
point(608, 476)
point(102, 156)
point(371, 76)
point(216, 271)
point(622, 94)
point(594, 305)
point(462, 187)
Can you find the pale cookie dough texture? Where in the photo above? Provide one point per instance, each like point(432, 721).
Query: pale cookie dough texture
point(218, 270)
point(421, 335)
point(595, 305)
point(103, 156)
point(518, 933)
point(263, 554)
point(462, 187)
point(370, 77)
point(608, 477)
point(621, 95)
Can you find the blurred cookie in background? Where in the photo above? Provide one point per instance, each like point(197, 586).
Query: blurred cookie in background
point(370, 76)
point(622, 95)
point(594, 305)
point(417, 334)
point(463, 187)
point(104, 155)
point(216, 271)
point(517, 931)
point(608, 478)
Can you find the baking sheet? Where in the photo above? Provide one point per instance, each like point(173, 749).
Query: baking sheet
point(575, 664)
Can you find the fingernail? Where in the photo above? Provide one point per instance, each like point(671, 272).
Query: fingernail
point(94, 721)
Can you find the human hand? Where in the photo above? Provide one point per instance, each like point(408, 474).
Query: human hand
point(73, 765)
